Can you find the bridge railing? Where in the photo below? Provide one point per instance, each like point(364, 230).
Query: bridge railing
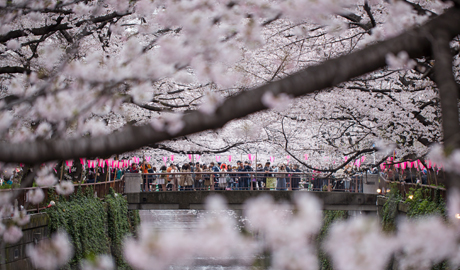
point(100, 189)
point(405, 188)
point(250, 181)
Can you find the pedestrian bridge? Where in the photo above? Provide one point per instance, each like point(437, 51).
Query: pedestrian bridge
point(173, 200)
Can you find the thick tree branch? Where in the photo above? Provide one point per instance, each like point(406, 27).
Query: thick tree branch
point(309, 80)
point(4, 70)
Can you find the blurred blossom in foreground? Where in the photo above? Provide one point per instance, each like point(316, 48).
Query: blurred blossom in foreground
point(20, 217)
point(385, 148)
point(400, 61)
point(51, 253)
point(12, 234)
point(280, 102)
point(36, 196)
point(288, 233)
point(217, 236)
point(353, 244)
point(449, 162)
point(65, 188)
point(45, 178)
point(425, 242)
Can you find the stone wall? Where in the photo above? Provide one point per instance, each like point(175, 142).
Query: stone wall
point(13, 256)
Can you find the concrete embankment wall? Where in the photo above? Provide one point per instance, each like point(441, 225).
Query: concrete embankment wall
point(13, 256)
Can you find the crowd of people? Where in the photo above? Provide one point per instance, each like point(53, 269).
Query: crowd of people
point(214, 176)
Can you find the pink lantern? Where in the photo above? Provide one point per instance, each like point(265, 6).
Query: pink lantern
point(249, 156)
point(190, 157)
point(409, 164)
point(229, 158)
point(69, 163)
point(363, 158)
point(345, 158)
point(148, 159)
point(115, 164)
point(82, 161)
point(382, 166)
point(197, 157)
point(397, 165)
point(172, 158)
point(306, 156)
point(218, 158)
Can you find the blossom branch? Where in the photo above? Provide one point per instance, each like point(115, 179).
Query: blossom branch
point(332, 72)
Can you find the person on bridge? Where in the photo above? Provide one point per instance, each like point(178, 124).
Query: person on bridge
point(198, 177)
point(260, 177)
point(172, 180)
point(295, 178)
point(186, 180)
point(267, 169)
point(281, 182)
point(207, 178)
point(161, 181)
point(215, 168)
point(133, 168)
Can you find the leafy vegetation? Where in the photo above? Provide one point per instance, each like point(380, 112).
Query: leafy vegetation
point(329, 217)
point(422, 203)
point(94, 226)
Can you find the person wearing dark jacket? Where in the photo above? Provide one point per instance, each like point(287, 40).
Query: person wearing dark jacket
point(266, 169)
point(295, 178)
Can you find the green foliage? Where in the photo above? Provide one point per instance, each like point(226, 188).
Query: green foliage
point(8, 186)
point(390, 209)
point(94, 226)
point(422, 203)
point(118, 225)
point(329, 218)
point(84, 219)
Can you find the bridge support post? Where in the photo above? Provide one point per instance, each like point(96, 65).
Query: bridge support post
point(133, 182)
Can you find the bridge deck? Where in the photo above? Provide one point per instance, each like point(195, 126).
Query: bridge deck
point(196, 199)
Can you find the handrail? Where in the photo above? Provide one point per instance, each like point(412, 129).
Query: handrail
point(101, 189)
point(404, 187)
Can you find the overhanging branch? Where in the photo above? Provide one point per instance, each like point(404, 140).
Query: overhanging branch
point(309, 80)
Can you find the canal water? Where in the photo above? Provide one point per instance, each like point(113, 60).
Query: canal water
point(177, 220)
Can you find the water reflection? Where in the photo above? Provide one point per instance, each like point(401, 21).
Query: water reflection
point(188, 220)
point(164, 220)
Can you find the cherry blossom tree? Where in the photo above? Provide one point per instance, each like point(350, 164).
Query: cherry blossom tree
point(85, 79)
point(328, 78)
